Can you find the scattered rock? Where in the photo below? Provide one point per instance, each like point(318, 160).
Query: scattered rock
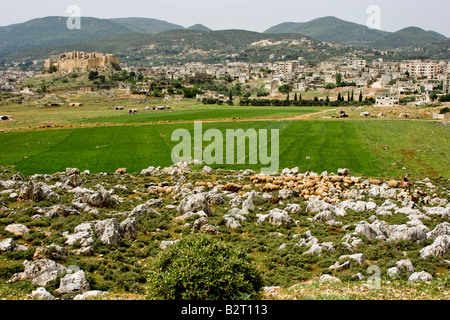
point(17, 229)
point(276, 217)
point(195, 203)
point(128, 229)
point(75, 282)
point(166, 244)
point(328, 278)
point(405, 266)
point(41, 272)
point(107, 231)
point(37, 191)
point(439, 247)
point(42, 294)
point(420, 276)
point(11, 245)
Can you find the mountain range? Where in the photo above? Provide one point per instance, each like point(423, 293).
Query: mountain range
point(332, 29)
point(46, 34)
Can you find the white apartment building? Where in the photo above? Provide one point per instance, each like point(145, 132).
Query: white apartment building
point(418, 69)
point(387, 101)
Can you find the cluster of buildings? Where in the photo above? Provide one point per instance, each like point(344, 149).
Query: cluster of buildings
point(394, 78)
point(11, 79)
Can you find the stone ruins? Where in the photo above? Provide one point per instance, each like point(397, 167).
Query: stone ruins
point(82, 61)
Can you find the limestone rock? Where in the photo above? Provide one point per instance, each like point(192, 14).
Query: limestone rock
point(439, 247)
point(61, 211)
point(57, 252)
point(405, 266)
point(42, 294)
point(420, 276)
point(440, 230)
point(37, 191)
point(204, 226)
point(89, 294)
point(17, 229)
point(166, 244)
point(393, 272)
point(328, 278)
point(128, 229)
point(195, 203)
point(276, 217)
point(107, 231)
point(11, 245)
point(75, 282)
point(41, 272)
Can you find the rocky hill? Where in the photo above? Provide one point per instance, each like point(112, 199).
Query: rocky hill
point(74, 235)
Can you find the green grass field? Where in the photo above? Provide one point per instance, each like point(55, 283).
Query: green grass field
point(206, 113)
point(368, 148)
point(96, 110)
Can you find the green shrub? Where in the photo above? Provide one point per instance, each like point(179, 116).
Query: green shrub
point(7, 272)
point(202, 268)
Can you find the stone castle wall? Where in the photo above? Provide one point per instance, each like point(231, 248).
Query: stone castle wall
point(82, 61)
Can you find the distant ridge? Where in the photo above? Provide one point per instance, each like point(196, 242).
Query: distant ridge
point(199, 27)
point(51, 32)
point(332, 29)
point(147, 25)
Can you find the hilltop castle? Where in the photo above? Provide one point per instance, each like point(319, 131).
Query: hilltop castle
point(82, 61)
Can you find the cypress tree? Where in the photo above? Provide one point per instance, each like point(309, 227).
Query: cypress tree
point(360, 96)
point(339, 96)
point(295, 97)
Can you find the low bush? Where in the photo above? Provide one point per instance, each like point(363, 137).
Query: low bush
point(202, 268)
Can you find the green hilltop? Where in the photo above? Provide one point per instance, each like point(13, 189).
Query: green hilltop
point(332, 29)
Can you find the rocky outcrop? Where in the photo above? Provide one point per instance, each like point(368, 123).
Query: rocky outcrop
point(107, 231)
point(439, 247)
point(41, 272)
point(42, 294)
point(11, 245)
point(276, 217)
point(17, 229)
point(37, 191)
point(72, 283)
point(420, 276)
point(195, 203)
point(102, 198)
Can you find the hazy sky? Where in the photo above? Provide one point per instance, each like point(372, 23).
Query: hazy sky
point(255, 15)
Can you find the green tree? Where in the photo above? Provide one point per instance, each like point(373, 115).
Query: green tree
point(200, 267)
point(93, 75)
point(339, 79)
point(360, 96)
point(285, 88)
point(296, 97)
